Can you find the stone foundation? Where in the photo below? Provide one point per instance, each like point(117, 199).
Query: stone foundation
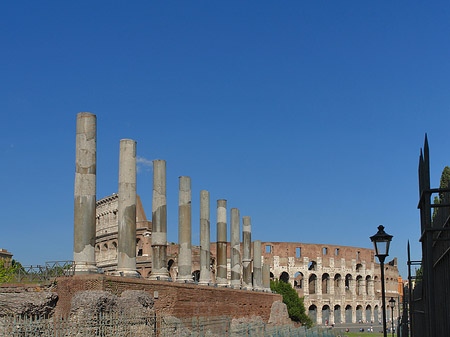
point(174, 299)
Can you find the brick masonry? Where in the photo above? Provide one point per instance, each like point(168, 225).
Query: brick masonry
point(179, 300)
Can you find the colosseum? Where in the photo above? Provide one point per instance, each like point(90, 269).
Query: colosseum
point(339, 284)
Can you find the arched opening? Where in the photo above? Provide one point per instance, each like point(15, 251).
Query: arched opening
point(325, 283)
point(337, 314)
point(170, 264)
point(359, 312)
point(359, 267)
point(358, 285)
point(312, 265)
point(325, 314)
point(348, 282)
point(337, 284)
point(375, 314)
point(284, 277)
point(114, 249)
point(368, 282)
point(271, 276)
point(312, 313)
point(348, 314)
point(298, 280)
point(139, 249)
point(196, 275)
point(369, 314)
point(312, 284)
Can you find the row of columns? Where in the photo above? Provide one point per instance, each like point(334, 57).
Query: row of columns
point(84, 221)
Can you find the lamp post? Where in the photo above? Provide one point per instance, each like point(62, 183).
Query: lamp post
point(392, 305)
point(381, 241)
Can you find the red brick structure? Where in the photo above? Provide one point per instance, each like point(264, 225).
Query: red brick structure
point(179, 300)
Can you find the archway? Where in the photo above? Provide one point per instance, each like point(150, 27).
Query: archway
point(359, 312)
point(368, 313)
point(368, 282)
point(271, 275)
point(325, 314)
point(337, 284)
point(298, 280)
point(312, 284)
point(312, 265)
point(325, 283)
point(358, 285)
point(348, 282)
point(375, 314)
point(284, 277)
point(196, 275)
point(337, 314)
point(348, 314)
point(312, 313)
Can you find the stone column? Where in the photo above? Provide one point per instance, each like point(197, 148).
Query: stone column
point(184, 231)
point(247, 252)
point(126, 250)
point(266, 277)
point(159, 222)
point(85, 194)
point(205, 270)
point(257, 270)
point(222, 242)
point(235, 243)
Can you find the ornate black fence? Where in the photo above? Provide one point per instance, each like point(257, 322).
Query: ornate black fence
point(429, 301)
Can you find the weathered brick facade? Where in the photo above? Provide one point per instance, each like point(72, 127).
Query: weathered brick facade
point(179, 300)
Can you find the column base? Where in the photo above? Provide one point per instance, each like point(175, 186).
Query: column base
point(127, 273)
point(222, 282)
point(184, 280)
point(84, 268)
point(204, 282)
point(159, 276)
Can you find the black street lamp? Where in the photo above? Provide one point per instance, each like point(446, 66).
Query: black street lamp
point(381, 242)
point(392, 305)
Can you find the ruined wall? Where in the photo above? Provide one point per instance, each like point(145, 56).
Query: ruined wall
point(179, 300)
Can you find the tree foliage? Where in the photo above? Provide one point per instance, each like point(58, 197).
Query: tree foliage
point(444, 183)
point(8, 270)
point(295, 305)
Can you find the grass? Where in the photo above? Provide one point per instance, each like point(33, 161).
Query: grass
point(356, 334)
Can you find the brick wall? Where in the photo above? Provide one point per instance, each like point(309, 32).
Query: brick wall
point(179, 300)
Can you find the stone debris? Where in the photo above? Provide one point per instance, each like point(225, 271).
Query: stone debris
point(38, 303)
point(279, 314)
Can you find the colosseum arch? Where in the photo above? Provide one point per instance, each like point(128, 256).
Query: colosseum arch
point(139, 247)
point(368, 284)
point(375, 314)
point(312, 265)
point(368, 313)
point(337, 314)
point(359, 313)
point(326, 314)
point(359, 267)
point(196, 275)
point(338, 284)
point(312, 313)
point(298, 280)
point(348, 283)
point(325, 283)
point(348, 314)
point(312, 283)
point(358, 285)
point(284, 277)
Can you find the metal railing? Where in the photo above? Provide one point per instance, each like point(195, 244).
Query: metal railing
point(121, 324)
point(36, 274)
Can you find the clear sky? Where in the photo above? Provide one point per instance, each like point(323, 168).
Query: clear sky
point(308, 116)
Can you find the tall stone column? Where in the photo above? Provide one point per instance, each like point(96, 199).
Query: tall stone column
point(85, 194)
point(257, 270)
point(184, 231)
point(126, 250)
point(247, 252)
point(221, 242)
point(159, 222)
point(205, 272)
point(235, 248)
point(266, 277)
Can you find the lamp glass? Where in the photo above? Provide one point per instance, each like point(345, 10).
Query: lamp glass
point(392, 303)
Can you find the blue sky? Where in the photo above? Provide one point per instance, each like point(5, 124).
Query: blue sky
point(307, 116)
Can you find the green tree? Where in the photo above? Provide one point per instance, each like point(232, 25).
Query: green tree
point(444, 183)
point(8, 270)
point(295, 305)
